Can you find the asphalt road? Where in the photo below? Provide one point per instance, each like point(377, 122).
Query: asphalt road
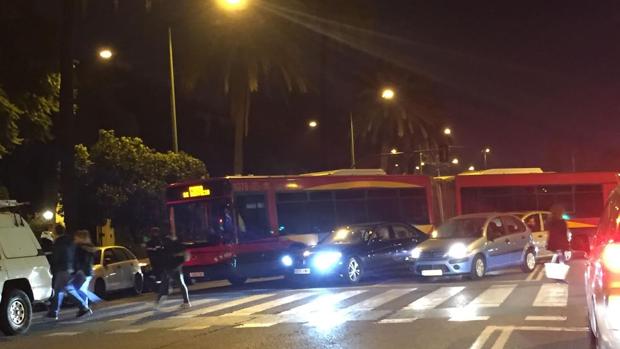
point(506, 310)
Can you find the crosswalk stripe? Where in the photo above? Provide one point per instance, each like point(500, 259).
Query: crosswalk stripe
point(191, 328)
point(494, 296)
point(545, 318)
point(127, 331)
point(222, 306)
point(398, 321)
point(272, 304)
point(62, 334)
point(380, 299)
point(326, 301)
point(552, 295)
point(434, 298)
point(166, 309)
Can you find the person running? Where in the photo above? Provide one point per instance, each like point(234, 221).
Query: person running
point(558, 233)
point(84, 260)
point(63, 257)
point(171, 258)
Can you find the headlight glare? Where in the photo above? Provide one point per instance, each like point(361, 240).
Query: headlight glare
point(458, 251)
point(416, 252)
point(287, 261)
point(325, 260)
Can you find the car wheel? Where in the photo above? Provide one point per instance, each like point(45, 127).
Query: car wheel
point(478, 267)
point(355, 271)
point(100, 289)
point(529, 262)
point(237, 280)
point(138, 284)
point(16, 313)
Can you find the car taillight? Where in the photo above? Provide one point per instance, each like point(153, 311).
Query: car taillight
point(611, 257)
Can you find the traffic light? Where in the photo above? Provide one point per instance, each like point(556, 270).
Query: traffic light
point(444, 153)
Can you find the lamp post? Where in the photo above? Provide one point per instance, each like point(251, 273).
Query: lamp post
point(447, 131)
point(485, 153)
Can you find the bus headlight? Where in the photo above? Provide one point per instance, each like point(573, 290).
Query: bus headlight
point(287, 261)
point(324, 261)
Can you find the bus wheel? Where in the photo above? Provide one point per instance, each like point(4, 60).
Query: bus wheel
point(236, 280)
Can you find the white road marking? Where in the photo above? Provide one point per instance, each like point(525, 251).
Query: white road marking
point(191, 328)
point(541, 273)
point(163, 310)
point(127, 331)
point(272, 304)
point(494, 296)
point(257, 325)
point(551, 328)
point(434, 298)
point(483, 337)
point(545, 318)
point(324, 302)
point(397, 321)
point(468, 317)
point(501, 341)
point(506, 331)
point(380, 299)
point(533, 274)
point(222, 306)
point(552, 295)
point(62, 334)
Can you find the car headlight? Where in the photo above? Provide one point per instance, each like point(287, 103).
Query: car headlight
point(416, 252)
point(287, 261)
point(306, 253)
point(326, 260)
point(457, 251)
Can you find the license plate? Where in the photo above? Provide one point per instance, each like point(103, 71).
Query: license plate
point(302, 271)
point(197, 274)
point(432, 273)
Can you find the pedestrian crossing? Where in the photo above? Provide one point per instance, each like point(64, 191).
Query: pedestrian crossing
point(333, 306)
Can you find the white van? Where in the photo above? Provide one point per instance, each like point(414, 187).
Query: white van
point(25, 276)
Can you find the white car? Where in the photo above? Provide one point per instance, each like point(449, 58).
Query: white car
point(25, 276)
point(536, 221)
point(116, 269)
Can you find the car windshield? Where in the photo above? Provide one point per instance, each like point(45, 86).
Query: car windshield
point(345, 236)
point(461, 228)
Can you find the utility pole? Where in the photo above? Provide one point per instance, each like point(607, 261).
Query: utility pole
point(353, 164)
point(173, 98)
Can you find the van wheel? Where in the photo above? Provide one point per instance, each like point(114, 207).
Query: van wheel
point(16, 313)
point(355, 271)
point(100, 288)
point(529, 262)
point(138, 284)
point(478, 268)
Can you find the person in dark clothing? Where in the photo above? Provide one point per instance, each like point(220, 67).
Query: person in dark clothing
point(83, 263)
point(558, 233)
point(171, 258)
point(154, 249)
point(63, 258)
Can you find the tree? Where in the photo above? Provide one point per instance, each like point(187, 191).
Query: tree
point(410, 121)
point(248, 49)
point(124, 180)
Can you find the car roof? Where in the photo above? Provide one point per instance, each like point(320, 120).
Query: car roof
point(369, 224)
point(483, 215)
point(525, 213)
point(106, 247)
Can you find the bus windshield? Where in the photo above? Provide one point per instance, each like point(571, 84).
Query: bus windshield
point(461, 228)
point(204, 222)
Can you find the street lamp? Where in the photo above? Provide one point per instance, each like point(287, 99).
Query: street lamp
point(455, 161)
point(232, 5)
point(105, 54)
point(485, 153)
point(471, 168)
point(394, 151)
point(48, 215)
point(388, 94)
point(447, 131)
point(313, 124)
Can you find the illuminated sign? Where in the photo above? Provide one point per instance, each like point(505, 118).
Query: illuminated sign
point(196, 191)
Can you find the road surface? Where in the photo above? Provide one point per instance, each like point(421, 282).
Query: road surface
point(506, 310)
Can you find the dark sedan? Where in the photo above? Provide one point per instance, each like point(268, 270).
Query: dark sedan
point(355, 252)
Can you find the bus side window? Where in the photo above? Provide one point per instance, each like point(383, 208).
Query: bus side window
point(252, 220)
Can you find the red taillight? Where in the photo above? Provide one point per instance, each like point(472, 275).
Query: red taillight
point(611, 257)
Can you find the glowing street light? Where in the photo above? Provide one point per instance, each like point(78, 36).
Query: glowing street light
point(455, 161)
point(396, 165)
point(232, 5)
point(48, 215)
point(313, 124)
point(388, 94)
point(471, 168)
point(394, 151)
point(485, 153)
point(106, 54)
point(487, 150)
point(447, 131)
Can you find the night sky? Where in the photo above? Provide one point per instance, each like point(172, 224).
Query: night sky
point(537, 81)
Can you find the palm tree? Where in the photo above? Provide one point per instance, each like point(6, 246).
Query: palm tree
point(409, 120)
point(249, 49)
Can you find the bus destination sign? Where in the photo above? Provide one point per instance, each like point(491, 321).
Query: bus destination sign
point(196, 191)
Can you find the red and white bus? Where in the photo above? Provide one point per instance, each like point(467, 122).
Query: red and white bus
point(239, 227)
point(583, 195)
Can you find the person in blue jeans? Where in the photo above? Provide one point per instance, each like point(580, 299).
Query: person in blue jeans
point(63, 257)
point(84, 260)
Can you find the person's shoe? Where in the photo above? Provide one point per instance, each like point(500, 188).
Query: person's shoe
point(158, 303)
point(85, 311)
point(52, 315)
point(185, 306)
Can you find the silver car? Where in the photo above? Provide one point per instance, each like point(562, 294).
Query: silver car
point(473, 244)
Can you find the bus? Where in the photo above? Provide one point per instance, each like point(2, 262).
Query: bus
point(239, 227)
point(583, 195)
